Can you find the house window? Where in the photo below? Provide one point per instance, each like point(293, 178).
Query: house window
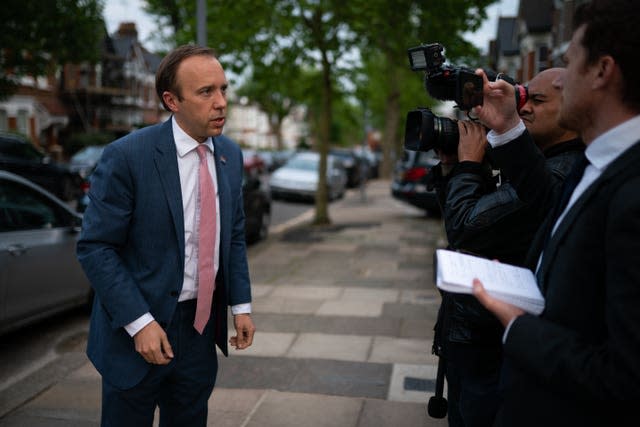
point(22, 121)
point(543, 58)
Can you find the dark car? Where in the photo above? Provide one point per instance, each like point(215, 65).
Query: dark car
point(257, 203)
point(356, 166)
point(39, 273)
point(19, 156)
point(410, 180)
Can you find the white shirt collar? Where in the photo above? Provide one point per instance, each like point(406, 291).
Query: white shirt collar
point(611, 144)
point(184, 143)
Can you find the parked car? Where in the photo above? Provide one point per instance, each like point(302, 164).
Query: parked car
point(355, 166)
point(257, 204)
point(19, 156)
point(85, 160)
point(410, 180)
point(298, 177)
point(39, 273)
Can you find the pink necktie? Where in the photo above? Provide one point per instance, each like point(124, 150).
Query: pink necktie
point(206, 241)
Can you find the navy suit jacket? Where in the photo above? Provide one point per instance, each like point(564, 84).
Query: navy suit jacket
point(579, 362)
point(132, 245)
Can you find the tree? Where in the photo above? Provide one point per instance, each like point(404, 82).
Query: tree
point(37, 36)
point(324, 36)
point(269, 87)
point(385, 30)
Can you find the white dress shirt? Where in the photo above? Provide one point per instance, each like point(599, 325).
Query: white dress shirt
point(188, 166)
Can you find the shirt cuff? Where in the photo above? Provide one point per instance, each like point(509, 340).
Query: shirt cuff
point(241, 309)
point(496, 140)
point(135, 326)
point(506, 330)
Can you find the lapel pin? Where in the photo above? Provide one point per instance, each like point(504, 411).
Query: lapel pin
point(223, 160)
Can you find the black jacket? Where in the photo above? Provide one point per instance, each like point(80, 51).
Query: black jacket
point(578, 363)
point(488, 217)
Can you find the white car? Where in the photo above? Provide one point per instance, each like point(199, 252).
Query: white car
point(298, 177)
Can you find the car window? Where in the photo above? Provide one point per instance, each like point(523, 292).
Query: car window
point(303, 163)
point(22, 208)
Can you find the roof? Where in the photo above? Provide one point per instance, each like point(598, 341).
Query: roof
point(507, 38)
point(537, 15)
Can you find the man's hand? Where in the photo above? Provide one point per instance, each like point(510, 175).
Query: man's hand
point(473, 141)
point(244, 331)
point(503, 311)
point(153, 345)
point(498, 110)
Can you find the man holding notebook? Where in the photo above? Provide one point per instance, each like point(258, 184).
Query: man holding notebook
point(578, 362)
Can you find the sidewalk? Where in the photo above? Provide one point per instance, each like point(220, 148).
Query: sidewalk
point(344, 316)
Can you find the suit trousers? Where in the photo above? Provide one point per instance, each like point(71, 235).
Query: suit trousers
point(180, 389)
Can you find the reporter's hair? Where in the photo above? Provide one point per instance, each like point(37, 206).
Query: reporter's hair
point(611, 29)
point(168, 68)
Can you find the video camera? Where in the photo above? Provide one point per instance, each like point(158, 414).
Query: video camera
point(424, 130)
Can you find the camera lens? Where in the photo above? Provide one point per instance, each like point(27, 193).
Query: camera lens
point(425, 131)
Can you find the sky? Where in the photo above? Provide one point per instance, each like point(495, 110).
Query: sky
point(117, 11)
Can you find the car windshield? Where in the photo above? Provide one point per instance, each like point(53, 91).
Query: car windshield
point(303, 163)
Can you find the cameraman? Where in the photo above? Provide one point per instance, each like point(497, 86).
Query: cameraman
point(487, 217)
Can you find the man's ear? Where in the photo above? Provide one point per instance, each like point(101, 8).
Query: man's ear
point(170, 101)
point(606, 72)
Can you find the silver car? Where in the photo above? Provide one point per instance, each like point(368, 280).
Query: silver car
point(39, 273)
point(298, 177)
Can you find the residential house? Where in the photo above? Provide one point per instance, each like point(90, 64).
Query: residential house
point(118, 94)
point(534, 40)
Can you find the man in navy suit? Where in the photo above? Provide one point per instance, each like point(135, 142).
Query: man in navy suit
point(578, 363)
point(139, 248)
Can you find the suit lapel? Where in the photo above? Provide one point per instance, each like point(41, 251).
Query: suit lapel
point(224, 193)
point(627, 161)
point(166, 162)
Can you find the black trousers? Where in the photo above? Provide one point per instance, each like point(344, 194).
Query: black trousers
point(180, 389)
point(473, 384)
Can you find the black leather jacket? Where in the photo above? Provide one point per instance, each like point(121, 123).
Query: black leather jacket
point(486, 216)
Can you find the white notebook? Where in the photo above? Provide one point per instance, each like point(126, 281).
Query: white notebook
point(509, 283)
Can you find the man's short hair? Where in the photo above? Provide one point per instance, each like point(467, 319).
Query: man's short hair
point(612, 29)
point(168, 68)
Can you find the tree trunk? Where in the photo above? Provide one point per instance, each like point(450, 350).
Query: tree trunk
point(322, 203)
point(392, 121)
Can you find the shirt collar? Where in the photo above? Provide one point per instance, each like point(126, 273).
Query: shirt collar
point(184, 143)
point(611, 144)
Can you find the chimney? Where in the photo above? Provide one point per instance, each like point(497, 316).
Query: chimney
point(128, 29)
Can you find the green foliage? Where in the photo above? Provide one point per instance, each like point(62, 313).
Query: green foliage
point(334, 56)
point(38, 35)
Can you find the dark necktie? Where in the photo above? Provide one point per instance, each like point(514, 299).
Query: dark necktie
point(569, 185)
point(206, 241)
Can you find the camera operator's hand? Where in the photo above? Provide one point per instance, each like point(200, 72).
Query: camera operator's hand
point(498, 110)
point(472, 143)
